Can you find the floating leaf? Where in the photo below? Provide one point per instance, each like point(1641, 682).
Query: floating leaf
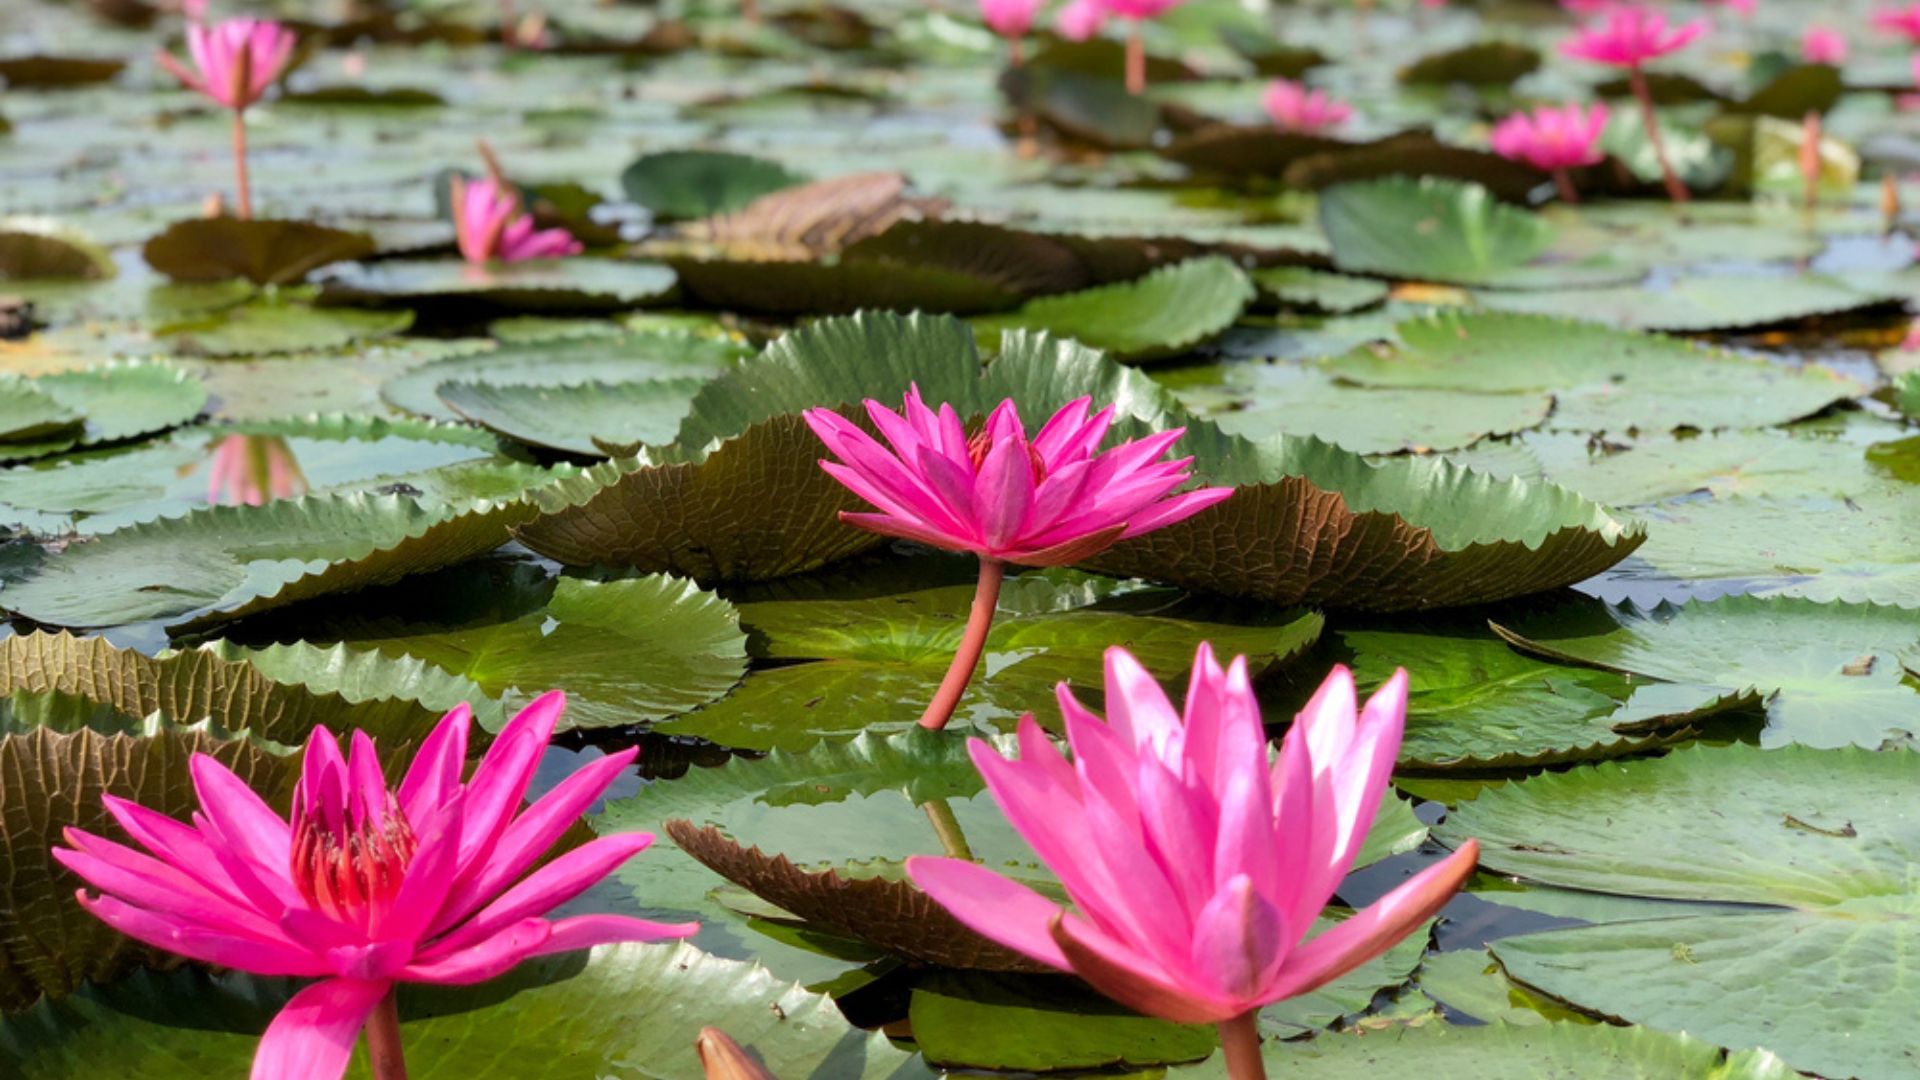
point(580, 418)
point(1701, 303)
point(1031, 1024)
point(41, 71)
point(700, 183)
point(1317, 290)
point(1483, 63)
point(1168, 312)
point(612, 358)
point(31, 251)
point(265, 328)
point(1820, 838)
point(1260, 399)
point(579, 284)
point(29, 414)
point(261, 251)
point(1430, 230)
point(118, 400)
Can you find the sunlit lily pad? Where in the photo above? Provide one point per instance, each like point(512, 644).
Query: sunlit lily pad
point(265, 328)
point(1694, 304)
point(579, 418)
point(563, 284)
point(115, 401)
point(1169, 311)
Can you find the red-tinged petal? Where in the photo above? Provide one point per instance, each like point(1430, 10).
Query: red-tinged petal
point(995, 907)
point(434, 776)
point(148, 883)
point(1240, 941)
point(175, 843)
point(1375, 928)
point(1067, 552)
point(1132, 980)
point(247, 952)
point(909, 530)
point(546, 888)
point(312, 1038)
point(532, 833)
point(500, 781)
point(486, 959)
point(179, 71)
point(587, 931)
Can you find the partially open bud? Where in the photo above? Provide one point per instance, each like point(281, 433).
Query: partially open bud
point(724, 1059)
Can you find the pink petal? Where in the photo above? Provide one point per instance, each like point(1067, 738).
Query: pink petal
point(587, 931)
point(247, 952)
point(434, 776)
point(995, 907)
point(312, 1038)
point(545, 889)
point(1239, 941)
point(484, 960)
point(500, 781)
point(1137, 707)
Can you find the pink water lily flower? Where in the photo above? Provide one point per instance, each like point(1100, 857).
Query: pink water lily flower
point(1009, 18)
point(1823, 45)
point(1195, 864)
point(1554, 140)
point(1049, 501)
point(1629, 36)
point(1080, 20)
point(252, 470)
point(491, 226)
point(233, 63)
point(1296, 109)
point(1904, 21)
point(369, 885)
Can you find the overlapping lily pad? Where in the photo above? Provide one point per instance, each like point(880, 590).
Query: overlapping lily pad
point(581, 284)
point(262, 251)
point(113, 401)
point(1820, 840)
point(1169, 311)
point(579, 418)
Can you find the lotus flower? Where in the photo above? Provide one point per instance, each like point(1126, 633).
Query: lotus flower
point(1080, 20)
point(234, 63)
point(1554, 140)
point(1296, 109)
point(1048, 501)
point(1904, 21)
point(1009, 18)
point(1823, 45)
point(491, 227)
point(1196, 868)
point(1628, 37)
point(1137, 12)
point(369, 885)
point(251, 470)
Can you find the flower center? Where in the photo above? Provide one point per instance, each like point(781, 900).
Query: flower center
point(349, 869)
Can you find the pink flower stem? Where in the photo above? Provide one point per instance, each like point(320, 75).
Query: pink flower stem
point(1563, 181)
point(1136, 60)
point(947, 827)
point(986, 596)
point(383, 1041)
point(1637, 78)
point(1240, 1041)
point(242, 194)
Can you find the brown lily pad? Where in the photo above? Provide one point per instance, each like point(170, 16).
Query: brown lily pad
point(265, 252)
point(39, 72)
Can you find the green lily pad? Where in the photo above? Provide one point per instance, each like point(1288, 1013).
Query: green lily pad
point(1168, 312)
point(261, 251)
point(578, 418)
point(227, 561)
point(1820, 838)
point(872, 664)
point(1037, 1023)
point(577, 284)
point(1601, 379)
point(619, 1012)
point(265, 328)
point(681, 184)
point(1696, 304)
point(638, 357)
point(1269, 399)
point(1831, 674)
point(1850, 548)
point(1318, 290)
point(1430, 230)
point(28, 414)
point(117, 400)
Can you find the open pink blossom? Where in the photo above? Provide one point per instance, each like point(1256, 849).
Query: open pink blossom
point(369, 885)
point(1296, 109)
point(251, 470)
point(1045, 501)
point(1903, 20)
point(1196, 864)
point(1823, 45)
point(1009, 18)
point(1080, 20)
point(491, 226)
point(1629, 36)
point(233, 61)
point(1553, 139)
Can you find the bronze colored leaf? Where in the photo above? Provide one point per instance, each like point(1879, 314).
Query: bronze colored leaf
point(42, 72)
point(261, 251)
point(892, 915)
point(813, 219)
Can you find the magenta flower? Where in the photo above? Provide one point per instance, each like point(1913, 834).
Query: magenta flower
point(1080, 20)
point(251, 470)
point(1904, 21)
point(491, 227)
point(233, 63)
point(1196, 866)
point(1295, 109)
point(1054, 500)
point(1823, 45)
point(1554, 140)
point(1628, 37)
point(1009, 18)
point(369, 885)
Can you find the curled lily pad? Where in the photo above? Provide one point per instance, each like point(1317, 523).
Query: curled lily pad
point(261, 251)
point(115, 401)
point(38, 251)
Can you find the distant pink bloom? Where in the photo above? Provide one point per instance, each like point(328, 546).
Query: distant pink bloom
point(1296, 109)
point(1900, 20)
point(1080, 20)
point(234, 61)
point(1744, 7)
point(1823, 45)
point(1584, 8)
point(1550, 139)
point(1631, 36)
point(370, 884)
point(491, 226)
point(251, 470)
point(1138, 9)
point(1009, 18)
point(1195, 862)
point(1053, 500)
point(1433, 3)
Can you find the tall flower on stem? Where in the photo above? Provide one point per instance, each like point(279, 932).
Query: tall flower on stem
point(491, 226)
point(1903, 20)
point(1011, 19)
point(1294, 108)
point(1823, 45)
point(1627, 38)
point(1137, 12)
point(252, 470)
point(1195, 866)
point(1080, 20)
point(369, 885)
point(1049, 501)
point(1554, 141)
point(234, 62)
